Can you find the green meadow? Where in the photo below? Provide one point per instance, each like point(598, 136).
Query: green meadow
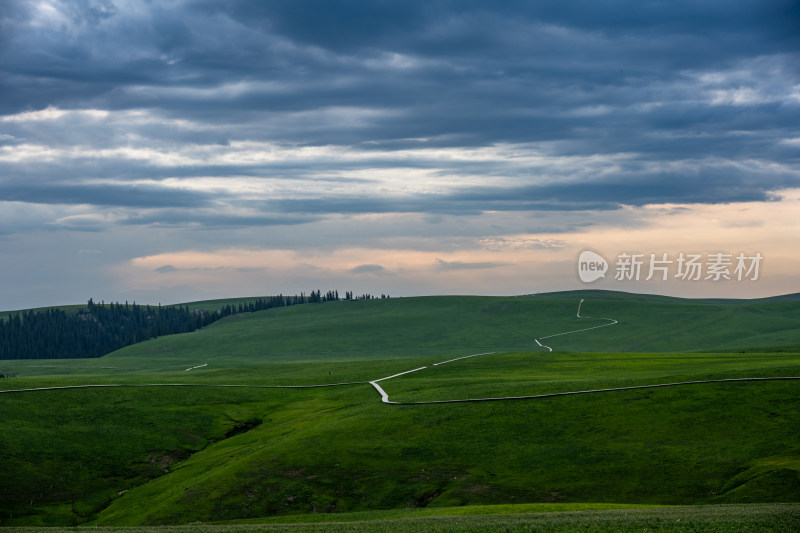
point(548, 518)
point(337, 459)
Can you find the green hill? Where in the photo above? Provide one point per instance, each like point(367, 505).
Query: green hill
point(444, 325)
point(175, 455)
point(409, 327)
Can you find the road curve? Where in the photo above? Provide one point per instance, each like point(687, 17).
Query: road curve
point(385, 396)
point(611, 322)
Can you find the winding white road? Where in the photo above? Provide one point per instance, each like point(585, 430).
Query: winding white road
point(111, 385)
point(611, 322)
point(385, 396)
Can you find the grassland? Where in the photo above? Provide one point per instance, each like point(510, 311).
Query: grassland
point(178, 455)
point(548, 518)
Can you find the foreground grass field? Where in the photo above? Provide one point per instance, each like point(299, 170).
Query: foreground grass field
point(555, 518)
point(178, 455)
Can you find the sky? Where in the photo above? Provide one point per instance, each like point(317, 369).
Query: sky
point(176, 151)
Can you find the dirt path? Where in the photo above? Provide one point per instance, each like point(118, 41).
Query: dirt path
point(611, 322)
point(111, 385)
point(385, 396)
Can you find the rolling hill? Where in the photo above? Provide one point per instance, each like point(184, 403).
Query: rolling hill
point(179, 454)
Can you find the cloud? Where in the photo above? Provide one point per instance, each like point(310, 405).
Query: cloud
point(84, 222)
point(302, 124)
point(461, 265)
point(102, 195)
point(367, 269)
point(166, 269)
point(521, 242)
point(212, 219)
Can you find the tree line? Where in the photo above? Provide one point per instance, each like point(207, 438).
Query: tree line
point(99, 329)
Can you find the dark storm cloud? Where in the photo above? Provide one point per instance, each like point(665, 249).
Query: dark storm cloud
point(470, 203)
point(460, 28)
point(634, 184)
point(104, 195)
point(215, 220)
point(682, 85)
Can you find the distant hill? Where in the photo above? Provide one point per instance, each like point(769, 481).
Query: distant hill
point(98, 329)
point(407, 327)
point(622, 295)
point(412, 327)
point(612, 295)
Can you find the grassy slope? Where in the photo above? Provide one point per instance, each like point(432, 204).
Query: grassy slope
point(411, 327)
point(352, 453)
point(339, 449)
point(518, 374)
point(555, 518)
